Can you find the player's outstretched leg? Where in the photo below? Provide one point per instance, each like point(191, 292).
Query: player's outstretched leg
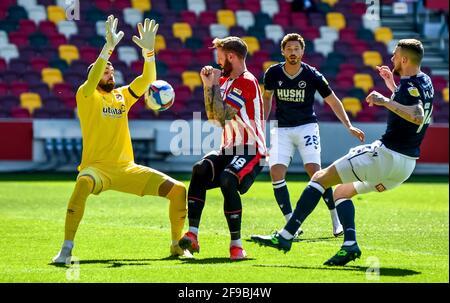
point(349, 250)
point(276, 240)
point(75, 211)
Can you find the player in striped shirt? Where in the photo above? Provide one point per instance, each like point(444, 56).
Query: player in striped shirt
point(232, 100)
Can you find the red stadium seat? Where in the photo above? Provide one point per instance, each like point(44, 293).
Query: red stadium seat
point(207, 17)
point(27, 26)
point(19, 112)
point(18, 87)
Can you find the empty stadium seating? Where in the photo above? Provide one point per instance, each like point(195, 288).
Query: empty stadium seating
point(50, 54)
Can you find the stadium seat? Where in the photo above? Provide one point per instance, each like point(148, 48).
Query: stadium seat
point(160, 43)
point(27, 26)
point(67, 28)
point(268, 64)
point(245, 18)
point(9, 52)
point(18, 87)
point(19, 39)
point(20, 113)
point(56, 13)
point(68, 53)
point(196, 6)
point(269, 7)
point(336, 20)
point(26, 3)
point(363, 81)
point(142, 5)
point(328, 33)
point(372, 58)
point(330, 2)
point(132, 16)
point(191, 79)
point(445, 94)
point(226, 18)
point(3, 39)
point(188, 17)
point(206, 18)
point(51, 76)
point(252, 44)
point(383, 34)
point(218, 30)
point(30, 101)
point(323, 46)
point(127, 54)
point(283, 19)
point(274, 32)
point(182, 30)
point(352, 105)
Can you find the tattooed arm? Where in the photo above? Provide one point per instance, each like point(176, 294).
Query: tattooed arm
point(217, 111)
point(411, 113)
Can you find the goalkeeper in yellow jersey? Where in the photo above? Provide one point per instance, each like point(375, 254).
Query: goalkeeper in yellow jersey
point(108, 161)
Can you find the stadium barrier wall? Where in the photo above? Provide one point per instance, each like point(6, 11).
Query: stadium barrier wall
point(176, 145)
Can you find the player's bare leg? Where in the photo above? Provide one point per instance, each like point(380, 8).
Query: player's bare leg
point(311, 169)
point(75, 211)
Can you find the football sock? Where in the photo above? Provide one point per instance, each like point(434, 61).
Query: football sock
point(282, 196)
point(201, 174)
point(193, 230)
point(328, 198)
point(346, 212)
point(288, 216)
point(77, 203)
point(177, 209)
point(305, 205)
point(232, 205)
point(236, 243)
point(68, 243)
point(285, 234)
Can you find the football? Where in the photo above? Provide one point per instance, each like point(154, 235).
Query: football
point(160, 95)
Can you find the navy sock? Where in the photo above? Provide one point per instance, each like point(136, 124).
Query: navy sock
point(346, 213)
point(282, 196)
point(328, 198)
point(305, 205)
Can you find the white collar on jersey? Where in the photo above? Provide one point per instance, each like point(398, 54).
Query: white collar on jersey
point(289, 76)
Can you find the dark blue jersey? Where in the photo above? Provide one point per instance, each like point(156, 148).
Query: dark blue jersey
point(294, 95)
point(403, 136)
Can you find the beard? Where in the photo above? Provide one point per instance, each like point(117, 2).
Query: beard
point(227, 68)
point(107, 86)
point(396, 71)
point(292, 60)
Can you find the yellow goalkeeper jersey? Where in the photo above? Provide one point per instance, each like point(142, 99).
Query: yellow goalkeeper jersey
point(104, 126)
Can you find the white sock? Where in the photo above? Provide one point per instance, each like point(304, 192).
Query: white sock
point(348, 243)
point(335, 217)
point(288, 216)
point(68, 243)
point(237, 243)
point(193, 229)
point(285, 234)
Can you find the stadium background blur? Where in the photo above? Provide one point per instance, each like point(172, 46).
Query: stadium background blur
point(47, 45)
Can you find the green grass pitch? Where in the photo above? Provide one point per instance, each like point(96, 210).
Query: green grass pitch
point(403, 234)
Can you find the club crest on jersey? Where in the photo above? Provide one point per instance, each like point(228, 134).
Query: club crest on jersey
point(119, 97)
point(280, 82)
point(302, 84)
point(413, 91)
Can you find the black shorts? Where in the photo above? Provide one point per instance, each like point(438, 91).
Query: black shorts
point(245, 165)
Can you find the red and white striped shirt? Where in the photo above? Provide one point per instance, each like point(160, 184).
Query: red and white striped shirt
point(248, 126)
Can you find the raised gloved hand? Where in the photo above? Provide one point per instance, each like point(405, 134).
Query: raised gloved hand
point(146, 41)
point(111, 36)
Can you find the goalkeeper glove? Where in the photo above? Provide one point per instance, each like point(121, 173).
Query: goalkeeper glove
point(147, 38)
point(112, 38)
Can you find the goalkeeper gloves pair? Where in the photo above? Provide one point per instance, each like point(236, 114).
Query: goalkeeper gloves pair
point(146, 41)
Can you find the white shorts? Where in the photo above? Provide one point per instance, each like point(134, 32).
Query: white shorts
point(374, 167)
point(284, 140)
